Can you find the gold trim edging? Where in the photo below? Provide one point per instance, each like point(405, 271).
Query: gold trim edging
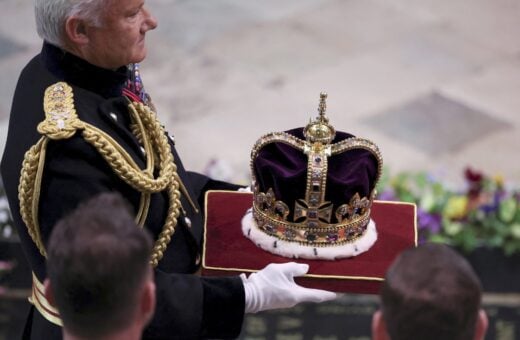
point(40, 302)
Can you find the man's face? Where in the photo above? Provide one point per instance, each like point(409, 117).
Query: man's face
point(120, 38)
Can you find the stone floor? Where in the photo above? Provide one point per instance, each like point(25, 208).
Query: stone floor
point(434, 83)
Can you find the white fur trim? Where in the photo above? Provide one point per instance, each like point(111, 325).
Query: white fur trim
point(295, 250)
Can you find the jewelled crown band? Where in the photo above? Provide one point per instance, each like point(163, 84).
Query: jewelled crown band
point(334, 209)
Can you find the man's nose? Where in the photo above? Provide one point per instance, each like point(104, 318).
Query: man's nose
point(150, 21)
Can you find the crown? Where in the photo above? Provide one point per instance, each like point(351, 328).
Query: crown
point(313, 189)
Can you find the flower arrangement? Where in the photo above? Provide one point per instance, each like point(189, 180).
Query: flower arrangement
point(484, 213)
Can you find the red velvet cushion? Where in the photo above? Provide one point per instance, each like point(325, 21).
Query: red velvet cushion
point(227, 251)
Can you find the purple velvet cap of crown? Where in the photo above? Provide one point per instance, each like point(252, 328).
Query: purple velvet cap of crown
point(283, 168)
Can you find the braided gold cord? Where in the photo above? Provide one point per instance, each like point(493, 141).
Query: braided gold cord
point(26, 189)
point(144, 203)
point(62, 122)
point(130, 173)
point(148, 123)
point(136, 131)
point(143, 181)
point(157, 134)
point(169, 226)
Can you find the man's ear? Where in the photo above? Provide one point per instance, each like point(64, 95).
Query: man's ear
point(76, 31)
point(482, 325)
point(147, 303)
point(379, 327)
point(47, 291)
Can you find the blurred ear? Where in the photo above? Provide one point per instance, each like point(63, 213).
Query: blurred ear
point(47, 291)
point(76, 31)
point(148, 301)
point(379, 327)
point(482, 325)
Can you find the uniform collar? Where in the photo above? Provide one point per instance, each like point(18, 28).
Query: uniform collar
point(78, 72)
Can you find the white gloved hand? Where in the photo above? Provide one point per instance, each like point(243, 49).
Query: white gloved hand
point(274, 287)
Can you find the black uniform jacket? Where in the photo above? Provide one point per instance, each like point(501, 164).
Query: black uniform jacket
point(188, 306)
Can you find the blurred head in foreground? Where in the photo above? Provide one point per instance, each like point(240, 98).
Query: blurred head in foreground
point(99, 276)
point(430, 292)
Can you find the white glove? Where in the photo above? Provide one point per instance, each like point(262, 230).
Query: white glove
point(274, 287)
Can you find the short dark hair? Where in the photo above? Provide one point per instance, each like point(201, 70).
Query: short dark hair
point(431, 292)
point(97, 260)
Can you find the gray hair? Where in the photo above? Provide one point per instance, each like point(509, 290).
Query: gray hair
point(52, 14)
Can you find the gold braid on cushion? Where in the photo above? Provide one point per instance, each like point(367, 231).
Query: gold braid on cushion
point(62, 122)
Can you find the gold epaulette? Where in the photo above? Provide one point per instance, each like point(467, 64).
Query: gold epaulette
point(62, 122)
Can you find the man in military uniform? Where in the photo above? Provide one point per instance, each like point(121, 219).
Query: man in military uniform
point(80, 125)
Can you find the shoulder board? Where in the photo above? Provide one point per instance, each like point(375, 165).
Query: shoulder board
point(61, 120)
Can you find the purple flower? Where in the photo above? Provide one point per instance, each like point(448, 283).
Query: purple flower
point(387, 195)
point(494, 204)
point(429, 222)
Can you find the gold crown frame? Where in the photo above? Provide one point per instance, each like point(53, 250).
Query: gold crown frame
point(313, 216)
